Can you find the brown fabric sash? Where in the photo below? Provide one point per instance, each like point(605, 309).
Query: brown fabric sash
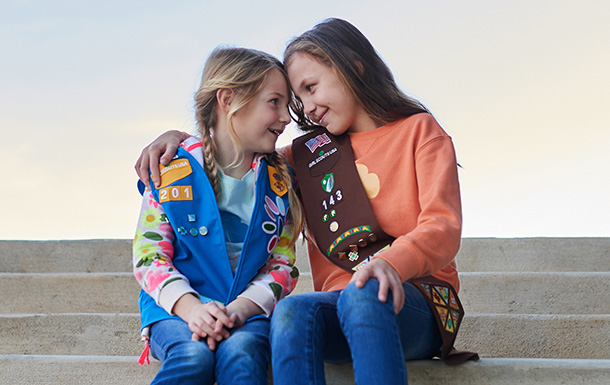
point(336, 205)
point(341, 219)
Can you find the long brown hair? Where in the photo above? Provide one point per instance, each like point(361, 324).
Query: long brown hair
point(244, 71)
point(341, 46)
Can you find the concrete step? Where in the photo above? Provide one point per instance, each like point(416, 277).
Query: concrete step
point(476, 254)
point(491, 335)
point(504, 292)
point(83, 256)
point(80, 256)
point(80, 292)
point(535, 293)
point(534, 254)
point(110, 370)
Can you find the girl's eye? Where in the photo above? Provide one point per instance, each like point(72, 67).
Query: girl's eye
point(308, 88)
point(274, 101)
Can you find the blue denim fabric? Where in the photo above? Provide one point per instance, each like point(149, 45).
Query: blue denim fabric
point(339, 326)
point(243, 358)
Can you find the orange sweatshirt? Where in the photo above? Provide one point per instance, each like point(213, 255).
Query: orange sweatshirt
point(409, 172)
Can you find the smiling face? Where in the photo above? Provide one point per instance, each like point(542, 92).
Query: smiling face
point(259, 123)
point(326, 100)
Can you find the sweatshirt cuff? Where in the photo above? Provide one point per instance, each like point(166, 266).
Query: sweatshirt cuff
point(261, 297)
point(172, 293)
point(403, 259)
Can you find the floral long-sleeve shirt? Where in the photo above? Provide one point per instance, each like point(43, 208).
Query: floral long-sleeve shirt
point(153, 252)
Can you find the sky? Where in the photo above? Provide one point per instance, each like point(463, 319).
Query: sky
point(521, 86)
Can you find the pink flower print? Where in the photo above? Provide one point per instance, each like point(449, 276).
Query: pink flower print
point(137, 274)
point(155, 278)
point(167, 229)
point(283, 278)
point(152, 201)
point(167, 248)
point(161, 262)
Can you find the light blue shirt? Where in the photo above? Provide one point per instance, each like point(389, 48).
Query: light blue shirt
point(236, 205)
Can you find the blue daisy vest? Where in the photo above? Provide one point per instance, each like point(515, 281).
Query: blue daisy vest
point(200, 252)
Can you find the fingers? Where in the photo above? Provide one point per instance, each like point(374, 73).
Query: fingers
point(170, 150)
point(212, 344)
point(361, 277)
point(219, 311)
point(384, 285)
point(398, 294)
point(152, 156)
point(142, 168)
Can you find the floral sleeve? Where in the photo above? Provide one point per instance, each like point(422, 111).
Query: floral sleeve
point(153, 251)
point(278, 276)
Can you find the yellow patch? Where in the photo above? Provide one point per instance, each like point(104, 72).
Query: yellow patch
point(176, 193)
point(175, 170)
point(370, 181)
point(277, 184)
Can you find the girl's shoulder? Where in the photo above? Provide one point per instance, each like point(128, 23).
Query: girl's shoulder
point(195, 147)
point(423, 126)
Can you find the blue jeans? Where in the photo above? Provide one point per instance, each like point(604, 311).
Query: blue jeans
point(339, 326)
point(243, 358)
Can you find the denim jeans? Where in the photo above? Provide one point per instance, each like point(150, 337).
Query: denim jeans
point(243, 358)
point(339, 326)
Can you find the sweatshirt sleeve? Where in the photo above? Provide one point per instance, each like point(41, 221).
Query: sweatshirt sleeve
point(153, 251)
point(435, 240)
point(278, 276)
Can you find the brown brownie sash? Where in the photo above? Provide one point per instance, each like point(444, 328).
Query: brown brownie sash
point(345, 229)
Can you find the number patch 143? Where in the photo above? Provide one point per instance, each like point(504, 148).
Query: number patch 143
point(176, 193)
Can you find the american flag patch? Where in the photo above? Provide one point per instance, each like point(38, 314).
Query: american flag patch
point(316, 142)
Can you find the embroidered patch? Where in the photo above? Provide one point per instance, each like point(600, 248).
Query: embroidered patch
point(275, 181)
point(175, 170)
point(316, 142)
point(328, 182)
point(176, 193)
point(346, 234)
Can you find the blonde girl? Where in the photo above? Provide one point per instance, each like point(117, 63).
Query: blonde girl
point(213, 251)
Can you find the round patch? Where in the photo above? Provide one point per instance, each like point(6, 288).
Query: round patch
point(334, 226)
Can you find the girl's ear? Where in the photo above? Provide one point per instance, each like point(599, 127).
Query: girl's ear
point(224, 97)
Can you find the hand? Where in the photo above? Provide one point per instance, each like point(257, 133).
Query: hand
point(243, 309)
point(388, 280)
point(210, 320)
point(221, 330)
point(161, 150)
point(204, 318)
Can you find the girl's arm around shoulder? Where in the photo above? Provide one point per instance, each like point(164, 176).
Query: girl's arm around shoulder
point(153, 251)
point(277, 278)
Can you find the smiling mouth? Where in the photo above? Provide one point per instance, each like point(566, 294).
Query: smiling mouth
point(275, 132)
point(320, 120)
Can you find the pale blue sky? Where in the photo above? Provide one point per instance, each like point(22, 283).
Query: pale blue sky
point(521, 86)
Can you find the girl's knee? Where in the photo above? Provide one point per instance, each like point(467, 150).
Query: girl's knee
point(362, 301)
point(244, 349)
point(195, 353)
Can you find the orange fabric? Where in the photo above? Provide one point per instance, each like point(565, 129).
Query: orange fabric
point(409, 170)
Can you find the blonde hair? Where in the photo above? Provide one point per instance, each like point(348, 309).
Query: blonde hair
point(244, 71)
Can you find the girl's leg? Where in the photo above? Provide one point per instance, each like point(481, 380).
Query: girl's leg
point(380, 340)
point(305, 331)
point(184, 361)
point(244, 357)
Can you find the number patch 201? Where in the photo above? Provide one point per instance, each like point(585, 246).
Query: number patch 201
point(176, 193)
point(332, 200)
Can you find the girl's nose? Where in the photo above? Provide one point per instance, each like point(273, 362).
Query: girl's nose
point(285, 116)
